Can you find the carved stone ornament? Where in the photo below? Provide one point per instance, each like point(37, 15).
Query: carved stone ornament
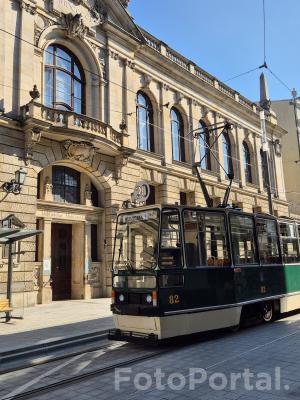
point(178, 97)
point(146, 80)
point(204, 111)
point(40, 24)
point(28, 6)
point(74, 25)
point(32, 137)
point(78, 151)
point(277, 147)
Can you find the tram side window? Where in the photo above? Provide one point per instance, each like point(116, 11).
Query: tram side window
point(242, 235)
point(213, 230)
point(171, 246)
point(289, 242)
point(205, 239)
point(267, 241)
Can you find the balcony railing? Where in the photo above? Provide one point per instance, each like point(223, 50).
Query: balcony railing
point(188, 65)
point(69, 120)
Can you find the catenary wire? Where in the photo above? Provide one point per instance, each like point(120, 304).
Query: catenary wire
point(123, 87)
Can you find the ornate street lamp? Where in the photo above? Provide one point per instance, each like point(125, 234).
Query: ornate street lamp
point(15, 185)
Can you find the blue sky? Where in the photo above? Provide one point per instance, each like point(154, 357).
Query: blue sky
point(225, 37)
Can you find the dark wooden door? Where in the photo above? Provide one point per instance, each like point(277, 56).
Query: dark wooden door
point(61, 252)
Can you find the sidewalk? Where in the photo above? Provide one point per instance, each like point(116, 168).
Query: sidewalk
point(60, 320)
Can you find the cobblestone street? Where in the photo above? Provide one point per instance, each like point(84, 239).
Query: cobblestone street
point(259, 362)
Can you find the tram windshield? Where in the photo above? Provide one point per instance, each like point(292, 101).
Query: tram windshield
point(136, 241)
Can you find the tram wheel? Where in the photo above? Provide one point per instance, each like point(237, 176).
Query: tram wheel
point(267, 312)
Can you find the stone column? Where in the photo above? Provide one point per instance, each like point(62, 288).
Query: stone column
point(220, 119)
point(166, 125)
point(26, 59)
point(45, 292)
point(257, 160)
point(87, 261)
point(240, 139)
point(78, 273)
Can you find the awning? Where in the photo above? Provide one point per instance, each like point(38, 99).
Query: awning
point(7, 231)
point(14, 235)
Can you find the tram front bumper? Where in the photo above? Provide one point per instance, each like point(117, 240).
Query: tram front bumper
point(129, 336)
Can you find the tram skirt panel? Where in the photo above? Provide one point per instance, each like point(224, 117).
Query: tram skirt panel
point(180, 324)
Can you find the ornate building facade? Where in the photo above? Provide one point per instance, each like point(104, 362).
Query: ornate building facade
point(90, 105)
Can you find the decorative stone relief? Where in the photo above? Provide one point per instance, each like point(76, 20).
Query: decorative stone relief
point(178, 97)
point(204, 111)
point(88, 195)
point(96, 14)
point(48, 189)
point(74, 25)
point(130, 64)
point(78, 151)
point(277, 147)
point(40, 24)
point(103, 62)
point(146, 80)
point(28, 7)
point(166, 87)
point(32, 137)
point(113, 55)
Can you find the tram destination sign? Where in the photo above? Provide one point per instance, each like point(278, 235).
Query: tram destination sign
point(139, 216)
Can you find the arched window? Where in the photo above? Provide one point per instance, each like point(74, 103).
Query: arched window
point(66, 185)
point(247, 163)
point(264, 169)
point(227, 155)
point(64, 80)
point(177, 130)
point(204, 146)
point(145, 122)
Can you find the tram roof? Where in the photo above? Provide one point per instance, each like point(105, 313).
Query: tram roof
point(197, 208)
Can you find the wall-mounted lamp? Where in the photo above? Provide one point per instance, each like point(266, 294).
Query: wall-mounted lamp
point(15, 185)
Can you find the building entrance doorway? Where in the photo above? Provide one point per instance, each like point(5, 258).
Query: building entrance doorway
point(61, 260)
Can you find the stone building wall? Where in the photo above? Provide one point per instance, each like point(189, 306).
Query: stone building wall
point(118, 60)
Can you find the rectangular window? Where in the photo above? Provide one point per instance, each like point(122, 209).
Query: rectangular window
point(183, 198)
point(151, 199)
point(170, 252)
point(242, 236)
point(267, 241)
point(66, 185)
point(289, 242)
point(205, 239)
point(94, 242)
point(5, 250)
point(95, 196)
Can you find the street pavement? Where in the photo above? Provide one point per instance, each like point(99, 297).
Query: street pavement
point(44, 324)
point(261, 362)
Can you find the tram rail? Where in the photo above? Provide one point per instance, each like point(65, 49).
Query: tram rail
point(33, 393)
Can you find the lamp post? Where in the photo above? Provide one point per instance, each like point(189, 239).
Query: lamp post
point(15, 185)
point(294, 102)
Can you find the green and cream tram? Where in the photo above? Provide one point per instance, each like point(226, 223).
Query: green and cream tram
point(179, 270)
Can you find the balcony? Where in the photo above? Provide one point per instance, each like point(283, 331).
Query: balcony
point(62, 125)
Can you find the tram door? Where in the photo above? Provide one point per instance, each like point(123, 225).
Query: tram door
point(61, 240)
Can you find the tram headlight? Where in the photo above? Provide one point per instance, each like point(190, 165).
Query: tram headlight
point(149, 299)
point(121, 298)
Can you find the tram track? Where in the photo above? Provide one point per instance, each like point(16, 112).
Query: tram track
point(33, 393)
point(36, 363)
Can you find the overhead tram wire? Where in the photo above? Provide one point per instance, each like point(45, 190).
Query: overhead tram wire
point(119, 85)
point(84, 69)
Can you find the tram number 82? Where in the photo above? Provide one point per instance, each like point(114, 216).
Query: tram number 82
point(174, 299)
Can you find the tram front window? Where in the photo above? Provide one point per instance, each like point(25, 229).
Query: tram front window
point(137, 240)
point(170, 248)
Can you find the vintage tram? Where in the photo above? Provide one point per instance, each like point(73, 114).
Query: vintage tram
point(179, 270)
